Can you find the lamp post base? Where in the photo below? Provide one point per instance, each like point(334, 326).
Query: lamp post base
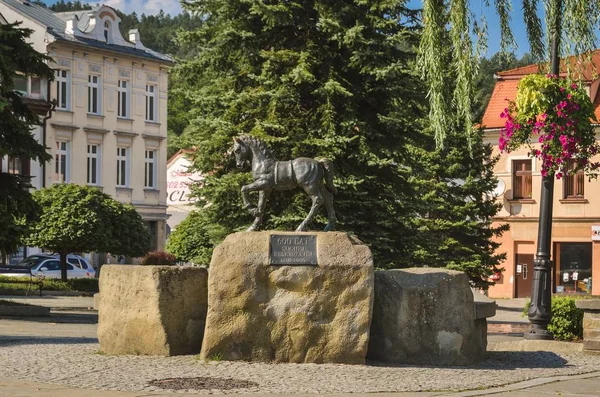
point(537, 332)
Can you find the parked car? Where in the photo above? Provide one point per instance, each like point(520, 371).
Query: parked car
point(48, 265)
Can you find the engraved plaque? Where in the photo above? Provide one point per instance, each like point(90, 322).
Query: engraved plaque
point(293, 249)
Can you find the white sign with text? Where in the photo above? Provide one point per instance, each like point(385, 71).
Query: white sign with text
point(179, 179)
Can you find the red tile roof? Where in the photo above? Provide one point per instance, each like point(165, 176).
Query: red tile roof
point(588, 71)
point(504, 89)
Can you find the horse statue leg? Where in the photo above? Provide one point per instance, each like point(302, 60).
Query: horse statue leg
point(331, 219)
point(317, 201)
point(259, 212)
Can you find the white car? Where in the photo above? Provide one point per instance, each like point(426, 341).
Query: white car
point(48, 265)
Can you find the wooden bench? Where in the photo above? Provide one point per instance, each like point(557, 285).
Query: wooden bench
point(22, 271)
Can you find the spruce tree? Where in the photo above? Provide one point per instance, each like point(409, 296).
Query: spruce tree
point(17, 59)
point(316, 79)
point(453, 223)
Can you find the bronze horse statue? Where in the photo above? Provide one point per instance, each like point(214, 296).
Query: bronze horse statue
point(270, 174)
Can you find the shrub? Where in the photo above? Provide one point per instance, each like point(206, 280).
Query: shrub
point(83, 284)
point(74, 284)
point(159, 258)
point(567, 319)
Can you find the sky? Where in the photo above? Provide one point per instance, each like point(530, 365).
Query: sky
point(148, 7)
point(151, 7)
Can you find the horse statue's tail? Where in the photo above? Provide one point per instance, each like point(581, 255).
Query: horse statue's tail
point(328, 167)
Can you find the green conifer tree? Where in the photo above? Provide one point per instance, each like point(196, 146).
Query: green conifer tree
point(453, 226)
point(18, 59)
point(312, 78)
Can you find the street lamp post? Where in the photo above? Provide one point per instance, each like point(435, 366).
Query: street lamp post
point(540, 312)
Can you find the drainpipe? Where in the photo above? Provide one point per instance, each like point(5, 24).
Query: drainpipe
point(44, 131)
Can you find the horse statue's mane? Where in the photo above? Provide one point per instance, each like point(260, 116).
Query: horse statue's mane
point(257, 143)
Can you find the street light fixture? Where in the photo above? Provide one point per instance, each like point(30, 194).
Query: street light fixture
point(540, 310)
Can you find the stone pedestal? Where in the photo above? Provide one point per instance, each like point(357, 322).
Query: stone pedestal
point(153, 310)
point(591, 323)
point(427, 316)
point(284, 313)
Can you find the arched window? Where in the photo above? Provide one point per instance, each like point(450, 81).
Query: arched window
point(106, 30)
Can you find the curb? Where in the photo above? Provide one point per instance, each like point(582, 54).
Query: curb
point(526, 384)
point(525, 345)
point(24, 311)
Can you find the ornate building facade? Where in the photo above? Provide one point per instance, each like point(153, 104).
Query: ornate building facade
point(109, 127)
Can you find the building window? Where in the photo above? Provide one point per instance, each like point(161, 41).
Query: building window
point(106, 31)
point(62, 89)
point(151, 102)
point(62, 161)
point(522, 179)
point(20, 84)
point(122, 166)
point(150, 169)
point(18, 166)
point(93, 164)
point(574, 184)
point(94, 94)
point(36, 87)
point(123, 99)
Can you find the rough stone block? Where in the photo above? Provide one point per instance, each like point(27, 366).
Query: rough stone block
point(426, 316)
point(152, 310)
point(591, 323)
point(301, 314)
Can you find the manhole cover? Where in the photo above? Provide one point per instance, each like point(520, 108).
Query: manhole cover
point(202, 383)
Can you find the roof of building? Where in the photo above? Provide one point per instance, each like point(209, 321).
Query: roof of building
point(506, 87)
point(503, 91)
point(55, 24)
point(586, 70)
point(180, 152)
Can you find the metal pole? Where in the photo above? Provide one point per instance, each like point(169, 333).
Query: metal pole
point(540, 312)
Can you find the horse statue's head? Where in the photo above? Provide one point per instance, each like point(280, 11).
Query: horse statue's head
point(242, 152)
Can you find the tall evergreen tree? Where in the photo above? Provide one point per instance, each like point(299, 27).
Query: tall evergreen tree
point(17, 59)
point(311, 78)
point(453, 224)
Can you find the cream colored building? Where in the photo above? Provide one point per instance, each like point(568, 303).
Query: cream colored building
point(575, 248)
point(109, 127)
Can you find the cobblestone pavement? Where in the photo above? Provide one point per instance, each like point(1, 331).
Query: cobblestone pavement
point(62, 350)
point(76, 363)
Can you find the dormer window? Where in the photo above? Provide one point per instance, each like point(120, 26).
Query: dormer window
point(106, 30)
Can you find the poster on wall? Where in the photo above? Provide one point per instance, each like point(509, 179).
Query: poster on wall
point(596, 233)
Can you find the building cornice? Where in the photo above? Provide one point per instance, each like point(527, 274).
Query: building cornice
point(125, 133)
point(70, 127)
point(157, 137)
point(96, 130)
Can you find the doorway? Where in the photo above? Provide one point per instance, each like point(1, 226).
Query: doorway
point(523, 275)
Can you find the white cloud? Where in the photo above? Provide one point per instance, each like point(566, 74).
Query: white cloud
point(148, 7)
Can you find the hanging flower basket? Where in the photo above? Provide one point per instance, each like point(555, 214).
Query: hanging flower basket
point(553, 117)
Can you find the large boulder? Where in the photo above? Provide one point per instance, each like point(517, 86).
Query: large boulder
point(425, 316)
point(153, 310)
point(301, 314)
